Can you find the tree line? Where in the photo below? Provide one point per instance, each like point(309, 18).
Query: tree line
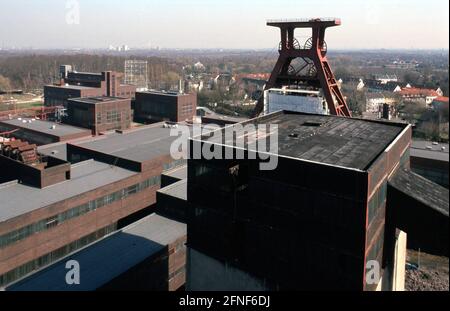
point(29, 72)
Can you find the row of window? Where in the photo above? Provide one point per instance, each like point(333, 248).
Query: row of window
point(125, 94)
point(53, 221)
point(174, 164)
point(47, 259)
point(112, 117)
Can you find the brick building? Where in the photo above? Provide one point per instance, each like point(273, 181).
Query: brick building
point(100, 114)
point(155, 106)
point(53, 207)
point(147, 255)
point(84, 84)
point(41, 132)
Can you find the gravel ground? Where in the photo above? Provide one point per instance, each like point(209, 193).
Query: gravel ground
point(423, 280)
point(432, 274)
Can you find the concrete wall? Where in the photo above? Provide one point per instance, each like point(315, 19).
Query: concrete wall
point(398, 282)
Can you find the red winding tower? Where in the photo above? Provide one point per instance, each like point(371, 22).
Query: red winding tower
point(306, 65)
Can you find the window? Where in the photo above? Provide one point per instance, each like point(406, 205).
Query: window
point(171, 165)
point(21, 271)
point(22, 233)
point(113, 116)
point(131, 190)
point(51, 222)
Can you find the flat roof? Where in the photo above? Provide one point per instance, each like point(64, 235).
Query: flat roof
point(19, 199)
point(57, 150)
point(85, 73)
point(289, 91)
point(73, 87)
point(338, 141)
point(305, 22)
point(220, 117)
point(422, 190)
point(97, 99)
point(45, 127)
point(178, 173)
point(177, 190)
point(138, 145)
point(430, 150)
point(107, 258)
point(174, 94)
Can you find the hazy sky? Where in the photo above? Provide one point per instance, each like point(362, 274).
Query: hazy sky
point(422, 24)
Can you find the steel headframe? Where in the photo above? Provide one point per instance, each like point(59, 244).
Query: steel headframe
point(312, 53)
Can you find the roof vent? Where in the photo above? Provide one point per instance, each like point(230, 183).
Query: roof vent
point(293, 135)
point(313, 123)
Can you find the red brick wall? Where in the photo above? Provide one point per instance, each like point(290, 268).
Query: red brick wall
point(47, 241)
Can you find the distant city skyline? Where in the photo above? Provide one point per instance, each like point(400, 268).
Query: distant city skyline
point(206, 24)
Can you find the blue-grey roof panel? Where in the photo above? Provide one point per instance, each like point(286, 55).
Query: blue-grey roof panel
point(107, 258)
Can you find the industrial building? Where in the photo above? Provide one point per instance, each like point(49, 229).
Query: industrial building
point(42, 132)
point(172, 197)
point(58, 95)
point(303, 67)
point(75, 84)
point(430, 160)
point(295, 100)
point(341, 197)
point(146, 255)
point(51, 207)
point(100, 114)
point(318, 219)
point(155, 106)
point(149, 254)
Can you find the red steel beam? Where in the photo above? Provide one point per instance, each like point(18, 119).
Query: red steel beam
point(316, 52)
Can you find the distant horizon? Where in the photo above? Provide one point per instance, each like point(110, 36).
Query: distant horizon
point(231, 24)
point(132, 49)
